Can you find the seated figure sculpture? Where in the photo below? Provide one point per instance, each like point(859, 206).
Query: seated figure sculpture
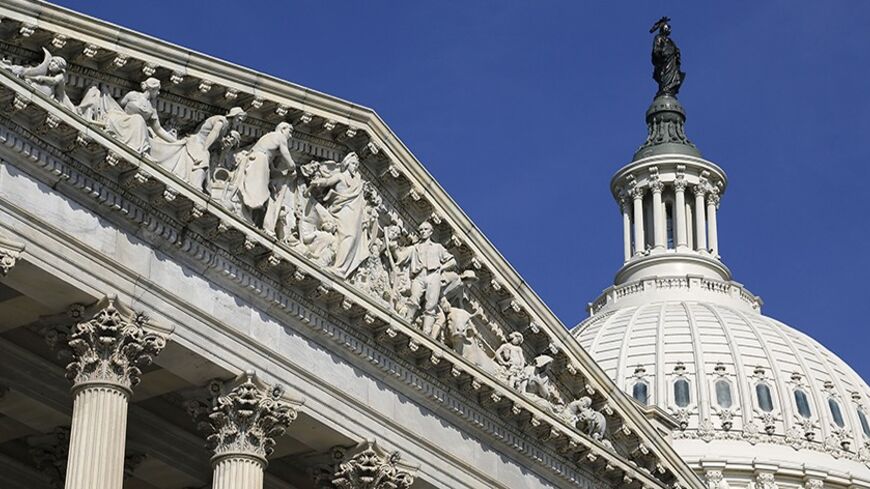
point(134, 119)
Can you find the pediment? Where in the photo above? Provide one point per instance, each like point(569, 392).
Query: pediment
point(337, 232)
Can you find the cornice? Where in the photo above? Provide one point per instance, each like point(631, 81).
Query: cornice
point(162, 224)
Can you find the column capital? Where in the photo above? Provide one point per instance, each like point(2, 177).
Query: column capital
point(243, 420)
point(656, 185)
point(636, 192)
point(699, 189)
point(368, 466)
point(10, 252)
point(623, 198)
point(680, 183)
point(713, 197)
point(110, 344)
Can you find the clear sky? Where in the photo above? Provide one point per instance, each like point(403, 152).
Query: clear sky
point(523, 111)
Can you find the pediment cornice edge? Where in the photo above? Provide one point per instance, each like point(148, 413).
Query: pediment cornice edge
point(397, 152)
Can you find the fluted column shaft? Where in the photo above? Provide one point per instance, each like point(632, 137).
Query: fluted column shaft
point(680, 214)
point(98, 436)
point(712, 226)
point(639, 240)
point(658, 216)
point(107, 350)
point(626, 228)
point(238, 472)
point(700, 223)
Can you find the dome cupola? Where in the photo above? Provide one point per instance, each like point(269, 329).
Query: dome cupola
point(757, 403)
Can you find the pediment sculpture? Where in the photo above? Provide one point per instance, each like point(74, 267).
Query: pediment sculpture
point(328, 212)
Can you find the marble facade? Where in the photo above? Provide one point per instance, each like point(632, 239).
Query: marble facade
point(251, 285)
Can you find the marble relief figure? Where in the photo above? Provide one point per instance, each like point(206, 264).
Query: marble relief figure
point(342, 191)
point(48, 77)
point(324, 210)
point(269, 158)
point(134, 121)
point(189, 158)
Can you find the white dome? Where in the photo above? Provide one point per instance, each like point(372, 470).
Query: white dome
point(718, 345)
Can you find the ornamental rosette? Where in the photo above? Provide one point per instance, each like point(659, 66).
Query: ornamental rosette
point(10, 252)
point(373, 468)
point(244, 421)
point(112, 347)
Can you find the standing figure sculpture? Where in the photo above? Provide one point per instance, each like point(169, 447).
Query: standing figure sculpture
point(428, 260)
point(666, 60)
point(345, 200)
point(510, 357)
point(189, 158)
point(257, 168)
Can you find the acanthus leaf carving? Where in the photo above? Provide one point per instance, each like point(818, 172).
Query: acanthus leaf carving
point(370, 467)
point(110, 344)
point(245, 418)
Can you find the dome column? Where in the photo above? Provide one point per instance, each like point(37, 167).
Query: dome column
point(658, 214)
point(639, 239)
point(712, 228)
point(700, 223)
point(626, 226)
point(680, 212)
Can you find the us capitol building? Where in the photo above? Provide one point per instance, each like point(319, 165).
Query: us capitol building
point(212, 278)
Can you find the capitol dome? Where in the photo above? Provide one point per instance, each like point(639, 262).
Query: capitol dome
point(755, 403)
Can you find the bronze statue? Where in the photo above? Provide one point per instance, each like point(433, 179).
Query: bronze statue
point(666, 60)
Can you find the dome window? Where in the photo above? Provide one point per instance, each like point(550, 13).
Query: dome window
point(681, 393)
point(802, 403)
point(836, 413)
point(765, 400)
point(864, 426)
point(640, 392)
point(723, 394)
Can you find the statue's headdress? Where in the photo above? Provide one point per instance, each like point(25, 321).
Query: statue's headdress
point(659, 23)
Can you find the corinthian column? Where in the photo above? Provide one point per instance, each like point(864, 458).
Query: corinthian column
point(680, 208)
point(658, 215)
point(108, 352)
point(626, 225)
point(712, 227)
point(639, 239)
point(700, 225)
point(242, 425)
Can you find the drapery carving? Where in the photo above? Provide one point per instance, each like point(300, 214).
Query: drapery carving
point(245, 419)
point(370, 467)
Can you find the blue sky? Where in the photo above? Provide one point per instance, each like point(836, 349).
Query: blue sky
point(523, 111)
